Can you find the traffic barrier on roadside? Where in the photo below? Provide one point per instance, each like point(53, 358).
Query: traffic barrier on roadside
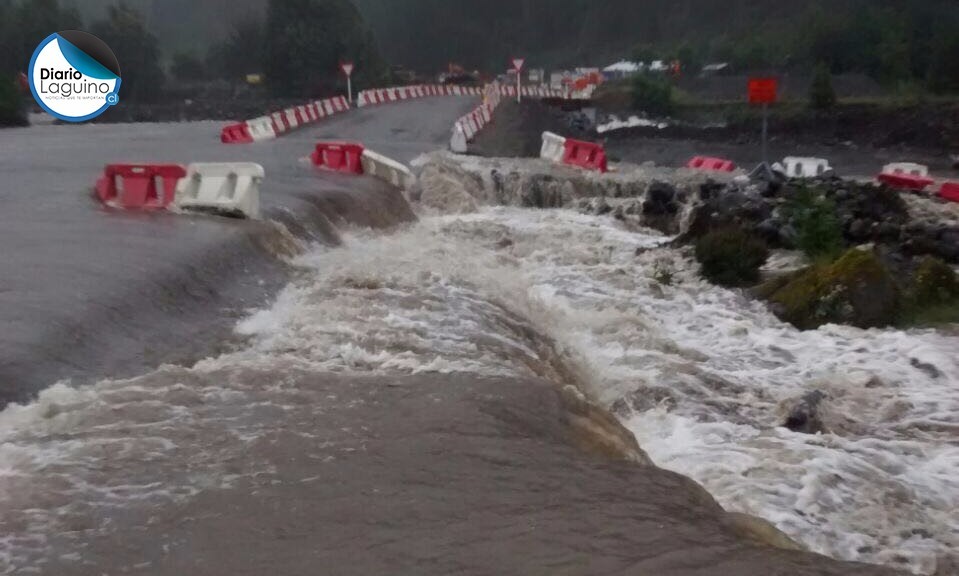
point(906, 176)
point(711, 164)
point(236, 134)
point(231, 189)
point(901, 181)
point(799, 167)
point(554, 146)
point(908, 168)
point(280, 122)
point(387, 169)
point(950, 191)
point(585, 155)
point(339, 156)
point(467, 127)
point(139, 186)
point(261, 128)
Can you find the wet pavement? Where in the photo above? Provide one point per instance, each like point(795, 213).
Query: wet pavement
point(86, 292)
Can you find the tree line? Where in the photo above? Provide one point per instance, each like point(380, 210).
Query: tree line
point(893, 41)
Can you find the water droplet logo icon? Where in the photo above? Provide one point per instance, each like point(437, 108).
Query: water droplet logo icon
point(74, 76)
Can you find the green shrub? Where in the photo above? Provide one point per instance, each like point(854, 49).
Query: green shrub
point(933, 295)
point(935, 282)
point(817, 225)
point(731, 257)
point(11, 105)
point(653, 95)
point(856, 289)
point(822, 96)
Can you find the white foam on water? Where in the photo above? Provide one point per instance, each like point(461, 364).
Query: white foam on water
point(698, 373)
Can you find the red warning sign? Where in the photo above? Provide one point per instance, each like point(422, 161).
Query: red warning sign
point(763, 90)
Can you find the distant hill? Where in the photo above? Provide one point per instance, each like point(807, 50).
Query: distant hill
point(890, 40)
point(878, 37)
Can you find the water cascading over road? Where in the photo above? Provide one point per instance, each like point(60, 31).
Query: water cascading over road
point(403, 403)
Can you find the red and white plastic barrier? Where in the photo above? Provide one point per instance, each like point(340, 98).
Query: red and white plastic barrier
point(536, 92)
point(354, 158)
point(232, 189)
point(467, 127)
point(711, 164)
point(396, 94)
point(279, 123)
point(586, 155)
point(388, 95)
point(906, 176)
point(578, 153)
point(139, 186)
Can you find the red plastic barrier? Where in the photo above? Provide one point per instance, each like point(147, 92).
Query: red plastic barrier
point(236, 134)
point(585, 155)
point(339, 156)
point(714, 164)
point(906, 181)
point(950, 191)
point(135, 186)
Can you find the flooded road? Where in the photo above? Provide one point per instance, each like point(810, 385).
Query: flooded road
point(86, 293)
point(408, 403)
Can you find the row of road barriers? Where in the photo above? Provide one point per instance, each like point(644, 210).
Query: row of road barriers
point(467, 127)
point(228, 189)
point(272, 126)
point(397, 94)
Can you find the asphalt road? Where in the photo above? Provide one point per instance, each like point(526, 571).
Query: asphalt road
point(87, 293)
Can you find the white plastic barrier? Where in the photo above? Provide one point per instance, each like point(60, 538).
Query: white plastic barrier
point(261, 129)
point(798, 167)
point(906, 168)
point(232, 189)
point(387, 169)
point(459, 143)
point(553, 147)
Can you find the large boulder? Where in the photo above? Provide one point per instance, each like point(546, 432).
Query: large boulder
point(857, 289)
point(661, 208)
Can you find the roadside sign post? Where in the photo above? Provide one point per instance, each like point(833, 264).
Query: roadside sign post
point(764, 91)
point(347, 68)
point(518, 66)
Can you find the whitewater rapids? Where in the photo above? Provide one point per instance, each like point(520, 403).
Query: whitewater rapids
point(697, 373)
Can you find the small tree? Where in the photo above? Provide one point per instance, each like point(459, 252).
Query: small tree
point(822, 96)
point(653, 95)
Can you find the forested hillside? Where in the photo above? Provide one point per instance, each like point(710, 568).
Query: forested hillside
point(894, 41)
point(891, 40)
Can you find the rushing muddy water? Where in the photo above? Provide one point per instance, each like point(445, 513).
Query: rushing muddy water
point(696, 372)
point(396, 409)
